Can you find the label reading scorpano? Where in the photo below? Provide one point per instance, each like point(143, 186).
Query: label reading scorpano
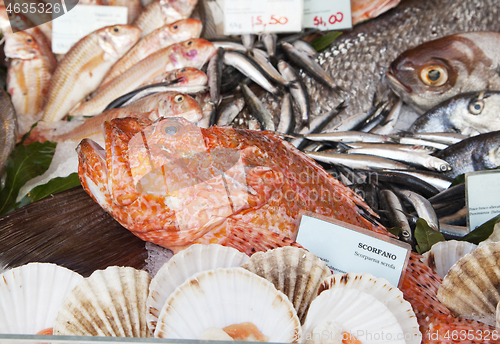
point(327, 14)
point(257, 16)
point(483, 203)
point(82, 20)
point(353, 249)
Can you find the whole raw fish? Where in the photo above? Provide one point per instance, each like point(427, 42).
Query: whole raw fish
point(167, 104)
point(191, 53)
point(161, 12)
point(182, 184)
point(84, 67)
point(28, 77)
point(134, 7)
point(469, 114)
point(179, 31)
point(438, 70)
point(476, 153)
point(362, 10)
point(359, 58)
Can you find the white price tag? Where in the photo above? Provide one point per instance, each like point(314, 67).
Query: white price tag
point(483, 201)
point(327, 14)
point(348, 248)
point(256, 16)
point(82, 20)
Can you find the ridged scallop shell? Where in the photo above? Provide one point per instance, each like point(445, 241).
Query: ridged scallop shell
point(226, 296)
point(294, 271)
point(355, 312)
point(384, 292)
point(472, 287)
point(30, 296)
point(109, 302)
point(183, 265)
point(444, 254)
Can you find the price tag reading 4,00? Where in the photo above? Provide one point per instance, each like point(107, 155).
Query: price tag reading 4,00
point(256, 16)
point(327, 14)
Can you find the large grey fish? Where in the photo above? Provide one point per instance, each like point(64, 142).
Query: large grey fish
point(8, 128)
point(359, 58)
point(473, 154)
point(440, 69)
point(469, 114)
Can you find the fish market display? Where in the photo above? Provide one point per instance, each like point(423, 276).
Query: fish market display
point(216, 194)
point(30, 297)
point(85, 65)
point(469, 114)
point(262, 180)
point(438, 70)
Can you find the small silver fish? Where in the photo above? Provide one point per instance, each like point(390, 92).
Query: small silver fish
point(468, 114)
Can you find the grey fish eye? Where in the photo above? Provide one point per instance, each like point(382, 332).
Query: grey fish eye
point(170, 130)
point(476, 107)
point(434, 75)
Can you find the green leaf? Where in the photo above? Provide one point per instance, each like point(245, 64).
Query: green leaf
point(54, 186)
point(460, 179)
point(25, 163)
point(482, 232)
point(426, 236)
point(395, 230)
point(322, 42)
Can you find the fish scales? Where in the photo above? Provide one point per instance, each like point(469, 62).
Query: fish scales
point(270, 184)
point(359, 58)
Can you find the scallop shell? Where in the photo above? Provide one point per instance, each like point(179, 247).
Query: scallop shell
point(226, 296)
point(357, 313)
point(498, 316)
point(30, 296)
point(294, 271)
point(383, 291)
point(110, 302)
point(183, 265)
point(444, 254)
point(494, 237)
point(471, 288)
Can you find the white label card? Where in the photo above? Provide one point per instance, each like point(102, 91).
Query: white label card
point(347, 248)
point(256, 16)
point(82, 20)
point(327, 14)
point(483, 202)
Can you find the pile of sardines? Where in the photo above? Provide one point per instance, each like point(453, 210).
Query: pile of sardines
point(393, 119)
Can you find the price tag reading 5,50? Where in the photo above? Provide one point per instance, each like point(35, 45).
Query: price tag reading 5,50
point(327, 14)
point(243, 16)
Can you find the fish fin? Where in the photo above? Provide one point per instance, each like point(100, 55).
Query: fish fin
point(249, 238)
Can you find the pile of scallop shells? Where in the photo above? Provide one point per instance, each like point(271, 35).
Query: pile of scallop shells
point(211, 292)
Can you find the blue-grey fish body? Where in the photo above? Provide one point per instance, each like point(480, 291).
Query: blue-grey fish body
point(468, 114)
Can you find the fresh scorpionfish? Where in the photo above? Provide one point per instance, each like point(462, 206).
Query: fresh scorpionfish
point(175, 184)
